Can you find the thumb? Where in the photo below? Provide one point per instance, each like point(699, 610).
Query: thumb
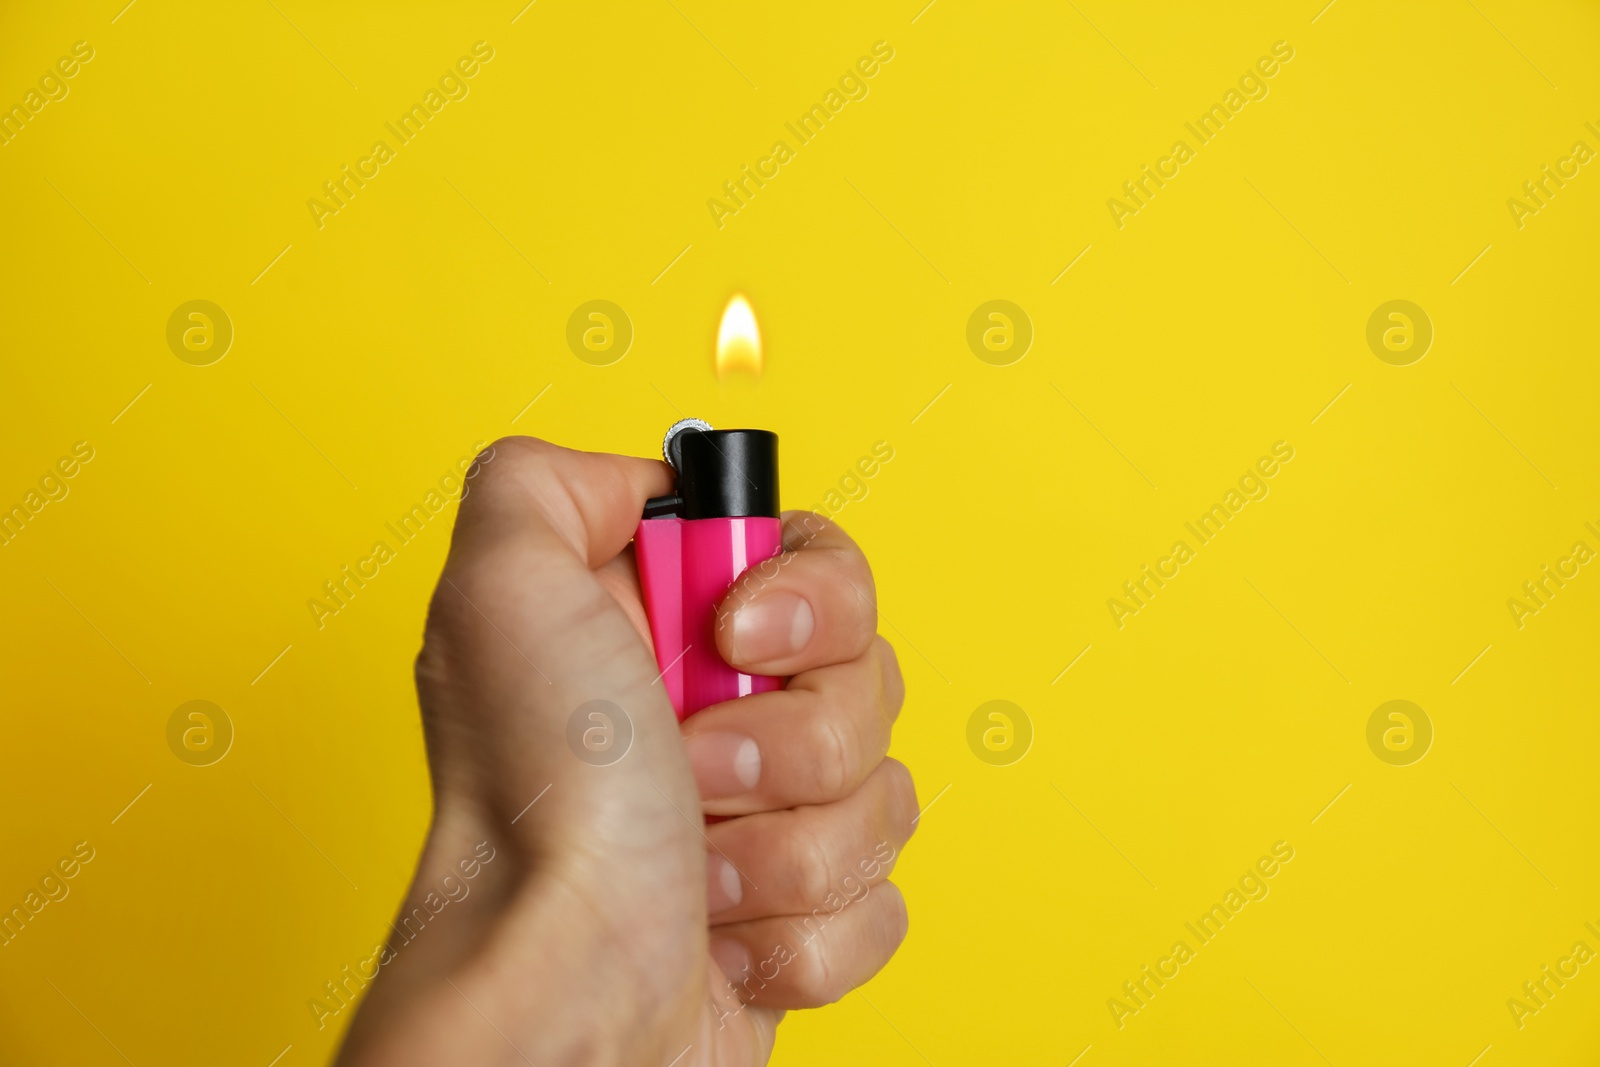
point(591, 917)
point(534, 683)
point(521, 634)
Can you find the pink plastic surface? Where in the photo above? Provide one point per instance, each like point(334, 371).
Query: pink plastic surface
point(686, 567)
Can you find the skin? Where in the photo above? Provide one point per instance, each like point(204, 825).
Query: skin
point(607, 927)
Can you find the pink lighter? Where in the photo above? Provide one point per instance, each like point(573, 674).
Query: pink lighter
point(694, 544)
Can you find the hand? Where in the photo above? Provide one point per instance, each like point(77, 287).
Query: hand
point(569, 913)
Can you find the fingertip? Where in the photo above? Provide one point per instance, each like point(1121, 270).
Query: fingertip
point(810, 608)
point(731, 956)
point(770, 630)
point(906, 812)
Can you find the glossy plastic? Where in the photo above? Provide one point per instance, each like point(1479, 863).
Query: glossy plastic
point(686, 567)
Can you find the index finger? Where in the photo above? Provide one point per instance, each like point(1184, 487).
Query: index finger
point(813, 606)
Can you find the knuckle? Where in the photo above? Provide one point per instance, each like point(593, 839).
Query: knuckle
point(518, 448)
point(507, 455)
point(434, 675)
point(813, 866)
point(817, 980)
point(862, 598)
point(827, 984)
point(902, 800)
point(827, 968)
point(428, 669)
point(509, 461)
point(835, 764)
point(443, 620)
point(861, 569)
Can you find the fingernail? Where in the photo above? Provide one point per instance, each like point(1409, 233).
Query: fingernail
point(724, 764)
point(724, 888)
point(773, 627)
point(731, 956)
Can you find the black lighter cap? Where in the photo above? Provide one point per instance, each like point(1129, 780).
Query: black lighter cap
point(726, 474)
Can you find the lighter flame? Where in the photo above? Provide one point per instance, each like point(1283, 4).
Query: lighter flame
point(738, 339)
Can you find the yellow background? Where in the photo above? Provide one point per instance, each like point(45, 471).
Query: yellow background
point(1225, 316)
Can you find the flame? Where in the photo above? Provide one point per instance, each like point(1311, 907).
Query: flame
point(738, 339)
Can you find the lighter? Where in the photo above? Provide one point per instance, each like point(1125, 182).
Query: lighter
point(694, 544)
